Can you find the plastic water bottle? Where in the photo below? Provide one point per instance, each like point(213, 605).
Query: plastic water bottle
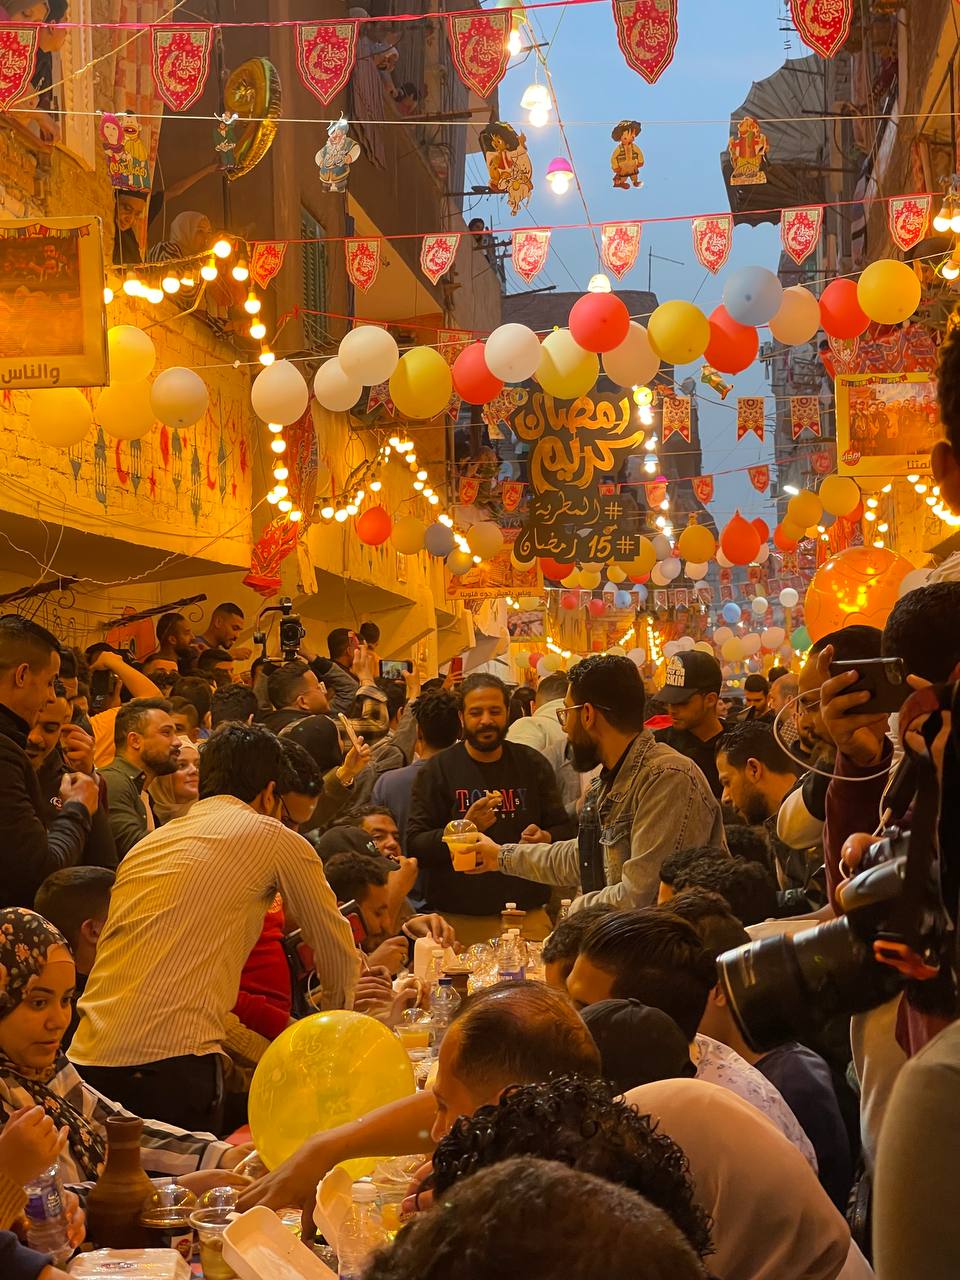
point(361, 1233)
point(46, 1219)
point(564, 909)
point(510, 957)
point(434, 968)
point(444, 1003)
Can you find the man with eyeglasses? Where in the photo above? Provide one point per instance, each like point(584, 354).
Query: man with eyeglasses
point(649, 801)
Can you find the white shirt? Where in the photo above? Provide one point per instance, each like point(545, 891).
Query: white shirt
point(542, 731)
point(185, 912)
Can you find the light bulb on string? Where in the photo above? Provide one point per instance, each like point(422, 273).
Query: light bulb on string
point(258, 330)
point(599, 283)
point(154, 295)
point(280, 473)
point(131, 285)
point(559, 175)
point(273, 498)
point(280, 490)
point(296, 515)
point(275, 427)
point(208, 271)
point(278, 445)
point(418, 485)
point(266, 356)
point(285, 505)
point(340, 515)
point(187, 282)
point(942, 220)
point(376, 486)
point(252, 304)
point(433, 499)
point(359, 496)
point(170, 284)
point(222, 248)
point(240, 271)
point(514, 43)
point(107, 295)
point(326, 513)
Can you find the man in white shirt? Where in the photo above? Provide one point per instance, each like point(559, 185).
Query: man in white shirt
point(543, 732)
point(186, 910)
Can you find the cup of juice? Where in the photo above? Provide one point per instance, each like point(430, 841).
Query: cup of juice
point(460, 837)
point(415, 1035)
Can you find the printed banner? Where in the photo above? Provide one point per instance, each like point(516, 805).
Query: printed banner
point(712, 240)
point(804, 415)
point(530, 249)
point(703, 488)
point(759, 478)
point(380, 395)
point(437, 254)
point(821, 460)
point(363, 261)
point(619, 246)
point(18, 53)
point(180, 59)
point(478, 46)
point(676, 417)
point(469, 490)
point(800, 231)
point(907, 217)
point(822, 25)
point(511, 492)
point(326, 56)
point(656, 493)
point(273, 546)
point(886, 423)
point(647, 34)
point(266, 260)
point(750, 416)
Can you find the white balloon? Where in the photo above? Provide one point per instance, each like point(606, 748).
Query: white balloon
point(722, 560)
point(279, 393)
point(617, 651)
point(721, 635)
point(637, 656)
point(657, 576)
point(671, 648)
point(661, 545)
point(763, 554)
point(695, 571)
point(125, 411)
point(485, 539)
point(773, 637)
point(670, 568)
point(60, 416)
point(686, 643)
point(548, 664)
point(798, 318)
point(368, 355)
point(179, 397)
point(914, 579)
point(789, 598)
point(703, 646)
point(751, 643)
point(760, 605)
point(334, 388)
point(634, 362)
point(513, 353)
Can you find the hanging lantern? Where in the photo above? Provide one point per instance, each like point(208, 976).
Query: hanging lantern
point(559, 175)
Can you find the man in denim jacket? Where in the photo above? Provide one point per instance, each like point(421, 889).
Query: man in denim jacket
point(648, 801)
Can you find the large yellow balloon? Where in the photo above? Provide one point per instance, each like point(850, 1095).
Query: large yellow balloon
point(125, 412)
point(408, 535)
point(839, 495)
point(60, 416)
point(679, 332)
point(804, 509)
point(326, 1070)
point(696, 543)
point(644, 560)
point(565, 370)
point(132, 354)
point(615, 574)
point(856, 587)
point(589, 579)
point(421, 384)
point(888, 291)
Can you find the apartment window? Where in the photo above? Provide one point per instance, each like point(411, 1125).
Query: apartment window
point(71, 75)
point(314, 261)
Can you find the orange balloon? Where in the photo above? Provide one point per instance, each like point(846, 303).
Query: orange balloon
point(739, 541)
point(781, 541)
point(856, 587)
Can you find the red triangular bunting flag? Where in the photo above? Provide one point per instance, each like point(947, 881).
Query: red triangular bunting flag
point(676, 417)
point(326, 54)
point(266, 259)
point(907, 217)
point(529, 252)
point(712, 240)
point(180, 59)
point(437, 254)
point(18, 53)
point(804, 415)
point(759, 478)
point(363, 261)
point(510, 494)
point(469, 490)
point(823, 25)
point(703, 488)
point(619, 246)
point(647, 34)
point(478, 45)
point(800, 231)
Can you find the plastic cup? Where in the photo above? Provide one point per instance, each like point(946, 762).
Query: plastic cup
point(210, 1225)
point(414, 1036)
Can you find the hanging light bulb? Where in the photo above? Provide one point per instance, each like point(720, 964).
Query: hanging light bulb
point(433, 499)
point(131, 285)
point(352, 508)
point(955, 219)
point(650, 464)
point(273, 498)
point(252, 304)
point(514, 42)
point(170, 284)
point(107, 295)
point(296, 515)
point(340, 515)
point(646, 416)
point(418, 485)
point(642, 396)
point(326, 513)
point(941, 221)
point(280, 490)
point(278, 445)
point(950, 268)
point(258, 330)
point(376, 486)
point(222, 248)
point(187, 282)
point(208, 271)
point(275, 427)
point(154, 295)
point(241, 271)
point(421, 475)
point(599, 283)
point(280, 473)
point(285, 504)
point(267, 356)
point(559, 175)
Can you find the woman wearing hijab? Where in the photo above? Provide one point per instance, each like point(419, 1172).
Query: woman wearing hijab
point(173, 794)
point(771, 1218)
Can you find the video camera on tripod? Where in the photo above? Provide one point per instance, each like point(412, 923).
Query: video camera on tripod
point(292, 630)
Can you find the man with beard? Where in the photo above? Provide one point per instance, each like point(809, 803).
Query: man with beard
point(649, 801)
point(690, 693)
point(506, 789)
point(147, 748)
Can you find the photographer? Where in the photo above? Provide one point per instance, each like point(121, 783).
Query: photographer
point(106, 691)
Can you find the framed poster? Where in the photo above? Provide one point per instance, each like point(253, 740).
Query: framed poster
point(496, 577)
point(53, 330)
point(886, 423)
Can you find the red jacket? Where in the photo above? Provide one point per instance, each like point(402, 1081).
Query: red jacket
point(265, 997)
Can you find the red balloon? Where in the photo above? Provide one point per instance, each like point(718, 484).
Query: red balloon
point(640, 578)
point(762, 528)
point(596, 608)
point(840, 313)
point(535, 656)
point(740, 541)
point(374, 526)
point(781, 541)
point(599, 322)
point(554, 570)
point(732, 346)
point(570, 600)
point(472, 380)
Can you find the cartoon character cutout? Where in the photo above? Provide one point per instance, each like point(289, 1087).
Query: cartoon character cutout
point(748, 150)
point(508, 163)
point(225, 140)
point(336, 156)
point(627, 159)
point(125, 152)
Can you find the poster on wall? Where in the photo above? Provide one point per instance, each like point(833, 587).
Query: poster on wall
point(496, 578)
point(52, 321)
point(886, 423)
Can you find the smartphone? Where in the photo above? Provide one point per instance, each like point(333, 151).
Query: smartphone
point(349, 731)
point(351, 913)
point(884, 678)
point(394, 670)
point(102, 685)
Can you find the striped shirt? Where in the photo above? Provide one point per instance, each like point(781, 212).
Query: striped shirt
point(187, 907)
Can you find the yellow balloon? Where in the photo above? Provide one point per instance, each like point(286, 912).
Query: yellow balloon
point(696, 543)
point(793, 531)
point(565, 370)
point(804, 509)
point(839, 495)
point(733, 649)
point(301, 1085)
point(615, 574)
point(408, 534)
point(888, 291)
point(421, 384)
point(572, 580)
point(644, 560)
point(60, 416)
point(132, 354)
point(679, 332)
point(125, 411)
point(589, 579)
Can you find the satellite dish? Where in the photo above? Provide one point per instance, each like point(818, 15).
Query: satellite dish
point(253, 92)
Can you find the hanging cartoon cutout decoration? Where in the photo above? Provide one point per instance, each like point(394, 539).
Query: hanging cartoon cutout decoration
point(748, 150)
point(716, 381)
point(627, 159)
point(225, 140)
point(336, 156)
point(125, 152)
point(508, 163)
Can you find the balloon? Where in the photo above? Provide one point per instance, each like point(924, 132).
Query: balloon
point(548, 664)
point(522, 657)
point(840, 313)
point(368, 355)
point(572, 580)
point(658, 578)
point(888, 291)
point(721, 635)
point(622, 599)
point(733, 649)
point(739, 541)
point(125, 412)
point(589, 579)
point(670, 648)
point(617, 651)
point(798, 319)
point(686, 643)
point(722, 560)
point(678, 332)
point(566, 371)
point(800, 640)
point(599, 322)
point(751, 644)
point(553, 569)
point(752, 295)
point(644, 560)
point(485, 539)
point(569, 601)
point(513, 353)
point(670, 568)
point(731, 613)
point(696, 543)
point(472, 380)
point(334, 388)
point(279, 393)
point(782, 542)
point(529, 603)
point(857, 586)
point(912, 581)
point(374, 526)
point(408, 535)
point(179, 397)
point(421, 384)
point(596, 608)
point(634, 362)
point(759, 606)
point(792, 531)
point(761, 527)
point(517, 561)
point(804, 509)
point(300, 1087)
point(615, 574)
point(637, 656)
point(439, 540)
point(763, 554)
point(695, 572)
point(459, 562)
point(60, 416)
point(732, 346)
point(132, 354)
point(640, 591)
point(839, 495)
point(773, 637)
point(661, 546)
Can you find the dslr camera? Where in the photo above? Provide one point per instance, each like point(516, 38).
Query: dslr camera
point(292, 630)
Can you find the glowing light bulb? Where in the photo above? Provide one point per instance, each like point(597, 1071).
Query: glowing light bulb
point(252, 305)
point(445, 519)
point(538, 117)
point(340, 515)
point(278, 445)
point(285, 505)
point(275, 427)
point(154, 296)
point(887, 487)
point(650, 466)
point(477, 560)
point(280, 490)
point(433, 499)
point(170, 284)
point(280, 473)
point(273, 498)
point(208, 271)
point(872, 503)
point(665, 505)
point(326, 513)
point(258, 330)
point(131, 285)
point(107, 295)
point(941, 221)
point(376, 486)
point(955, 222)
point(394, 442)
point(791, 489)
point(187, 282)
point(421, 475)
point(646, 416)
point(599, 283)
point(912, 479)
point(514, 43)
point(869, 515)
point(560, 184)
point(882, 527)
point(950, 270)
point(352, 508)
point(296, 516)
point(223, 248)
point(267, 356)
point(920, 488)
point(241, 271)
point(930, 500)
point(428, 493)
point(359, 496)
point(418, 485)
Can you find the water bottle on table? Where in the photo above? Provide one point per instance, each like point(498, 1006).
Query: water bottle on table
point(361, 1234)
point(46, 1217)
point(510, 957)
point(444, 1003)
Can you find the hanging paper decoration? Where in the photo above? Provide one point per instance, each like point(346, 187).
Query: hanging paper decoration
point(336, 156)
point(478, 45)
point(508, 163)
point(656, 493)
point(437, 254)
point(276, 542)
point(18, 53)
point(822, 25)
point(266, 259)
point(363, 261)
point(804, 415)
point(711, 378)
point(750, 416)
point(469, 490)
point(676, 417)
point(800, 231)
point(627, 159)
point(502, 408)
point(907, 218)
point(180, 59)
point(703, 488)
point(759, 478)
point(325, 56)
point(225, 140)
point(821, 460)
point(125, 152)
point(748, 151)
point(380, 395)
point(712, 240)
point(450, 343)
point(529, 249)
point(647, 34)
point(619, 246)
point(511, 492)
